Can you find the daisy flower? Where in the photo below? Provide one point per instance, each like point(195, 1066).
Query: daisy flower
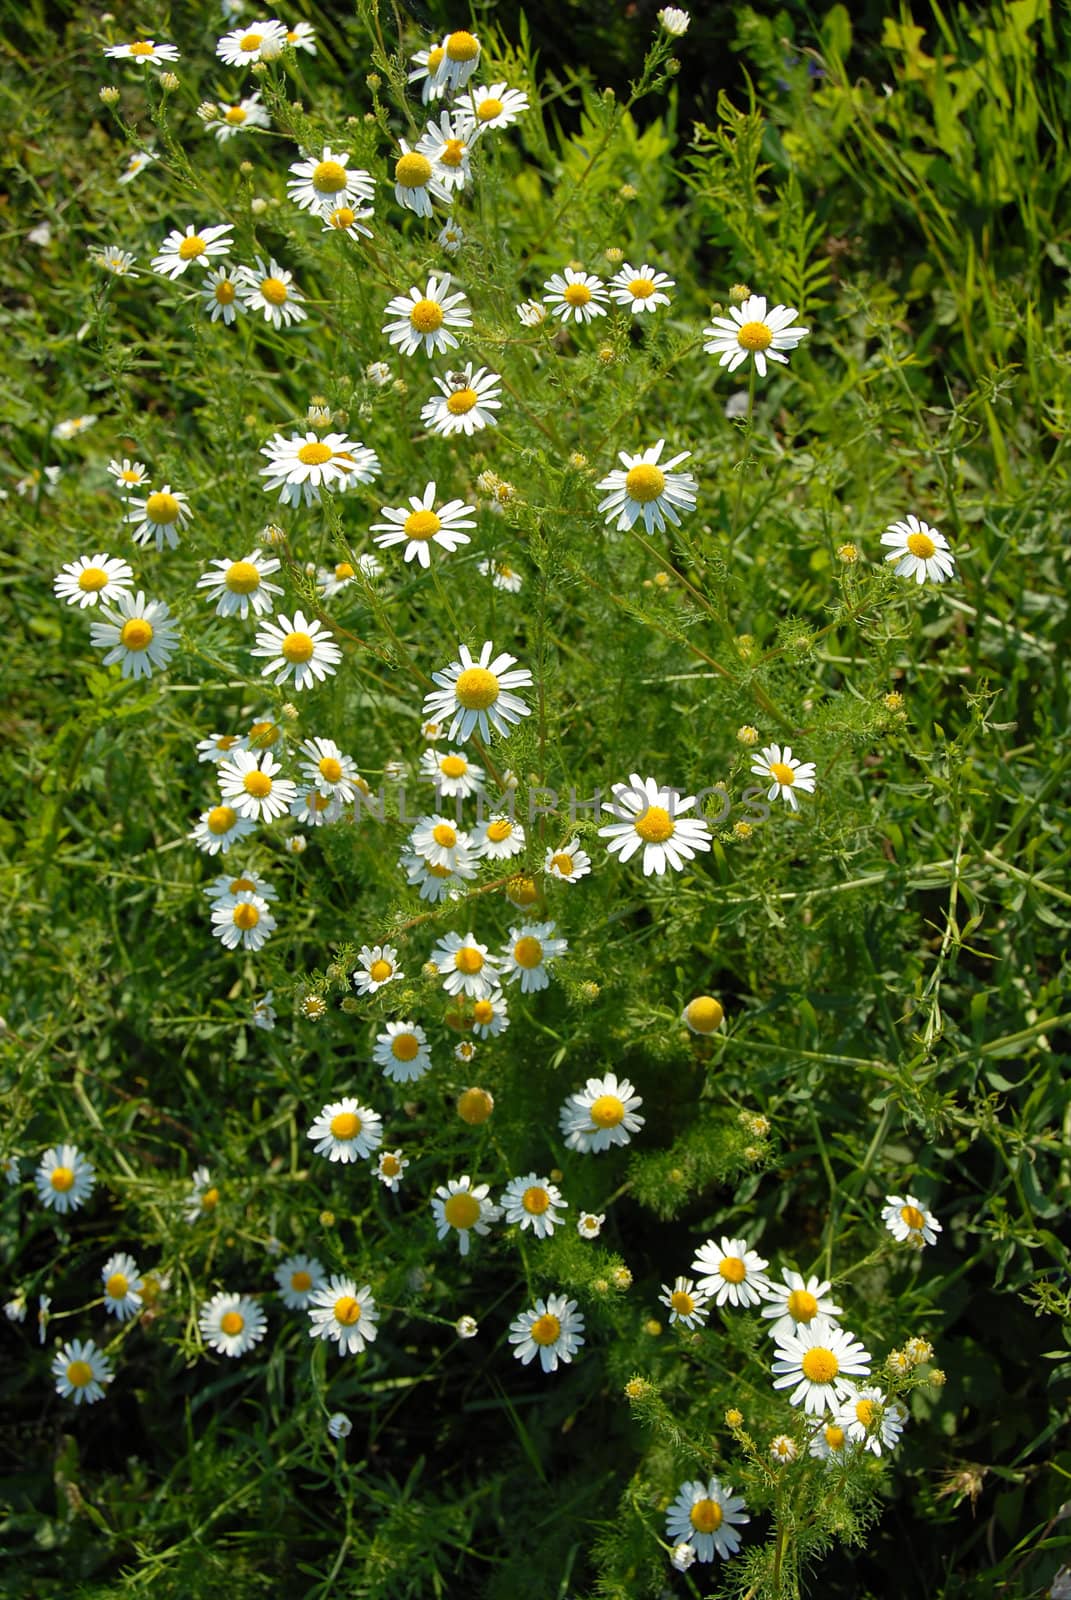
point(314, 809)
point(203, 1197)
point(122, 1286)
point(143, 52)
point(272, 290)
point(648, 491)
point(332, 580)
point(416, 181)
point(329, 768)
point(128, 475)
point(674, 21)
point(179, 250)
point(426, 317)
point(784, 773)
point(909, 1221)
point(601, 1114)
point(499, 838)
point(390, 1168)
point(494, 106)
point(816, 1363)
point(461, 55)
point(640, 288)
point(490, 1015)
point(402, 1052)
point(703, 1015)
point(552, 1330)
point(112, 259)
point(783, 1450)
point(446, 144)
point(706, 1516)
point(378, 965)
point(137, 161)
point(81, 1372)
point(589, 1224)
point(246, 882)
point(570, 863)
point(425, 69)
point(349, 220)
point(418, 525)
point(137, 634)
point(869, 1418)
point(298, 1277)
point(242, 919)
point(436, 883)
point(91, 579)
point(463, 1207)
point(502, 576)
point(260, 41)
point(452, 773)
point(475, 693)
point(346, 1131)
point(440, 843)
point(732, 1274)
point(231, 1324)
point(751, 330)
point(323, 184)
point(465, 1051)
point(238, 587)
point(302, 36)
point(9, 1169)
point(231, 119)
point(686, 1304)
point(71, 426)
point(535, 1203)
point(828, 1444)
point(301, 650)
point(157, 516)
point(577, 295)
point(450, 237)
point(345, 1313)
point(527, 952)
point(220, 293)
point(466, 403)
point(219, 828)
point(249, 781)
point(655, 821)
point(468, 966)
point(263, 1013)
point(920, 552)
point(303, 465)
point(795, 1302)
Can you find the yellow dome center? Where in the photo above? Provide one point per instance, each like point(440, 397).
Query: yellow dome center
point(162, 507)
point(231, 1322)
point(263, 733)
point(141, 48)
point(682, 1303)
point(645, 482)
point(641, 288)
point(117, 1286)
point(528, 952)
point(782, 772)
point(251, 41)
point(563, 862)
point(405, 1046)
point(462, 1210)
point(210, 1200)
point(131, 475)
point(655, 825)
point(300, 1281)
point(136, 634)
point(343, 571)
point(235, 116)
point(468, 960)
point(343, 217)
point(330, 769)
point(461, 401)
point(221, 819)
point(453, 766)
point(225, 292)
point(732, 1269)
point(535, 1200)
point(834, 1436)
point(435, 55)
point(802, 1305)
point(380, 971)
point(489, 109)
point(462, 47)
point(476, 688)
point(576, 294)
point(274, 291)
point(866, 1411)
point(452, 153)
point(412, 171)
point(257, 783)
point(913, 1218)
point(191, 247)
point(820, 1365)
point(474, 1106)
point(921, 545)
point(522, 891)
point(499, 831)
point(79, 1374)
point(607, 1111)
point(329, 177)
point(345, 1125)
point(390, 1166)
point(545, 1329)
point(242, 577)
point(245, 916)
point(706, 1516)
point(314, 454)
point(61, 1179)
point(92, 579)
point(483, 1012)
point(297, 648)
point(443, 834)
point(705, 1013)
point(426, 316)
point(755, 336)
point(421, 525)
point(242, 886)
point(347, 1310)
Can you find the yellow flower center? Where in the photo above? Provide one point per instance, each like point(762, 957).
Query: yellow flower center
point(390, 1166)
point(645, 482)
point(426, 316)
point(231, 1322)
point(61, 1179)
point(405, 1046)
point(476, 688)
point(545, 1329)
point(251, 41)
point(330, 769)
point(117, 1286)
point(262, 734)
point(130, 475)
point(489, 109)
point(474, 1106)
point(462, 1210)
point(443, 834)
point(499, 831)
point(92, 579)
point(242, 886)
point(191, 247)
point(563, 862)
point(606, 1111)
point(462, 47)
point(468, 960)
point(343, 217)
point(866, 1411)
point(257, 783)
point(453, 766)
point(221, 819)
point(641, 288)
point(732, 1269)
point(435, 55)
point(453, 153)
point(913, 1217)
point(298, 647)
point(834, 1436)
point(755, 336)
point(300, 1281)
point(706, 1516)
point(535, 1200)
point(921, 545)
point(782, 772)
point(421, 525)
point(274, 291)
point(79, 1374)
point(242, 577)
point(234, 115)
point(461, 401)
point(576, 294)
point(161, 507)
point(141, 48)
point(522, 891)
point(245, 916)
point(345, 1125)
point(655, 825)
point(136, 634)
point(225, 292)
point(380, 971)
point(329, 177)
point(314, 454)
point(315, 801)
point(802, 1305)
point(343, 571)
point(412, 171)
point(347, 1310)
point(705, 1013)
point(820, 1365)
point(528, 952)
point(483, 1012)
point(682, 1303)
point(210, 1200)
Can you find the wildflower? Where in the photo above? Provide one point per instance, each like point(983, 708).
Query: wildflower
point(250, 783)
point(706, 1516)
point(467, 966)
point(325, 183)
point(302, 36)
point(452, 773)
point(332, 580)
point(783, 1450)
point(535, 1203)
point(262, 41)
point(531, 313)
point(465, 1051)
point(869, 1418)
point(490, 1015)
point(464, 1207)
point(231, 1324)
point(450, 238)
point(122, 1286)
point(425, 73)
point(378, 372)
point(747, 734)
point(475, 693)
point(143, 52)
point(313, 1006)
point(203, 1197)
point(494, 106)
point(70, 427)
point(128, 475)
point(349, 220)
point(589, 1224)
point(674, 21)
point(601, 1114)
point(179, 250)
point(136, 163)
point(750, 330)
point(460, 58)
point(466, 1327)
point(81, 1371)
point(390, 1168)
point(9, 1166)
point(346, 1131)
point(332, 771)
point(418, 179)
point(795, 1302)
point(682, 1556)
point(91, 579)
point(501, 576)
point(219, 828)
point(226, 120)
point(272, 290)
point(157, 516)
point(339, 1425)
point(733, 1274)
point(647, 491)
point(118, 262)
point(466, 403)
point(439, 843)
point(297, 845)
point(734, 1418)
point(474, 1106)
point(304, 465)
point(426, 317)
point(553, 1329)
point(526, 954)
point(378, 965)
point(848, 554)
point(239, 587)
point(263, 1015)
point(816, 1363)
point(687, 1304)
point(577, 295)
point(418, 525)
point(918, 1351)
point(498, 839)
point(446, 145)
point(569, 864)
point(402, 1052)
point(919, 551)
point(785, 773)
point(298, 1277)
point(303, 650)
point(640, 288)
point(828, 1443)
point(15, 1309)
point(703, 1015)
point(909, 1221)
point(655, 822)
point(242, 920)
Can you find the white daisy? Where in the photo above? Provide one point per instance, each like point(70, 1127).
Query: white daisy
point(203, 1197)
point(417, 181)
point(122, 1286)
point(796, 1301)
point(706, 1516)
point(817, 1364)
point(452, 773)
point(466, 404)
point(731, 1273)
point(378, 965)
point(435, 883)
point(137, 635)
point(231, 1324)
point(450, 238)
point(263, 1013)
point(490, 1015)
point(920, 552)
point(346, 1131)
point(646, 491)
point(640, 288)
point(332, 580)
point(81, 1371)
point(601, 1114)
point(329, 768)
point(402, 1051)
point(686, 1304)
point(674, 20)
point(535, 1203)
point(112, 259)
point(475, 693)
point(249, 782)
point(418, 525)
point(239, 587)
point(260, 41)
point(830, 1443)
point(427, 64)
point(465, 1051)
point(220, 293)
point(751, 330)
point(70, 427)
point(527, 953)
point(785, 773)
point(390, 1168)
point(90, 579)
point(242, 920)
point(499, 838)
point(323, 184)
point(461, 1206)
point(868, 1417)
point(468, 966)
point(589, 1224)
point(532, 313)
point(237, 117)
point(179, 250)
point(909, 1221)
point(656, 821)
point(446, 143)
point(129, 475)
point(137, 161)
point(272, 290)
point(9, 1169)
point(345, 1313)
point(301, 650)
point(158, 515)
point(493, 106)
point(570, 863)
point(440, 842)
point(349, 220)
point(553, 1329)
point(298, 1277)
point(219, 828)
point(580, 296)
point(218, 746)
point(304, 465)
point(502, 575)
point(142, 52)
point(461, 56)
point(302, 36)
point(426, 317)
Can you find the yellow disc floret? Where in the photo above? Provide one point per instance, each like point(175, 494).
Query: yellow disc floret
point(162, 508)
point(535, 1200)
point(682, 1303)
point(329, 177)
point(257, 783)
point(412, 170)
point(443, 834)
point(61, 1179)
point(489, 109)
point(820, 1364)
point(461, 401)
point(453, 766)
point(706, 1516)
point(92, 579)
point(345, 1125)
point(231, 1322)
point(528, 952)
point(314, 454)
point(606, 1111)
point(462, 1210)
point(421, 525)
point(645, 482)
point(136, 634)
point(921, 545)
point(191, 247)
point(476, 688)
point(499, 830)
point(732, 1269)
point(405, 1046)
point(655, 826)
point(117, 1286)
point(79, 1374)
point(545, 1329)
point(347, 1310)
point(221, 819)
point(245, 915)
point(274, 291)
point(912, 1218)
point(462, 46)
point(426, 316)
point(468, 960)
point(298, 648)
point(242, 577)
point(802, 1305)
point(705, 1013)
point(755, 336)
point(576, 294)
point(300, 1281)
point(380, 971)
